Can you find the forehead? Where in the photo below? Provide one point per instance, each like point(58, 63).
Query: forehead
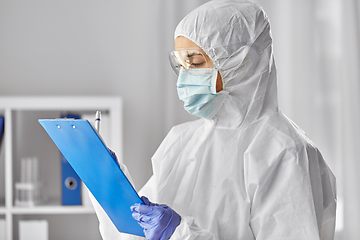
point(183, 42)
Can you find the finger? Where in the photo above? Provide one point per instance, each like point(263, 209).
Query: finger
point(146, 226)
point(143, 209)
point(135, 207)
point(136, 216)
point(140, 217)
point(112, 154)
point(145, 200)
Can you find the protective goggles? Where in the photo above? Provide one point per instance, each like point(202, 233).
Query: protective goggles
point(188, 59)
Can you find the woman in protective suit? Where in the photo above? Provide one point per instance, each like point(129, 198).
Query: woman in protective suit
point(243, 170)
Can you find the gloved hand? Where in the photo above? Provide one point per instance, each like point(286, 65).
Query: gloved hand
point(159, 221)
point(115, 159)
point(113, 154)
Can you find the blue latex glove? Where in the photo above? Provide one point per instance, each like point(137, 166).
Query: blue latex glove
point(113, 154)
point(159, 221)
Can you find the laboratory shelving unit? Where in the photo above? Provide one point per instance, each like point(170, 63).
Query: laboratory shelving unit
point(24, 136)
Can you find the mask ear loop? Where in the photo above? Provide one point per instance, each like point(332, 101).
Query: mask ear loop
point(211, 53)
point(214, 80)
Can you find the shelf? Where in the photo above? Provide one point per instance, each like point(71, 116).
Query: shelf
point(52, 210)
point(24, 137)
point(2, 210)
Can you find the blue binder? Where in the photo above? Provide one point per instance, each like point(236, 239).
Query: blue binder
point(87, 154)
point(70, 181)
point(70, 184)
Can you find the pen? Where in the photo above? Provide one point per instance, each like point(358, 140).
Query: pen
point(97, 121)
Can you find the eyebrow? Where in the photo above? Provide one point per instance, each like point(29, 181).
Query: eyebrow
point(192, 54)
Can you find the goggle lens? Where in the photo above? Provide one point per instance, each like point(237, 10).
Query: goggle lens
point(187, 59)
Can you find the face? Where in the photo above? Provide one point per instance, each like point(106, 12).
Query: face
point(195, 60)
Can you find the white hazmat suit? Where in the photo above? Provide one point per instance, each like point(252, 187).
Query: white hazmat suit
point(249, 172)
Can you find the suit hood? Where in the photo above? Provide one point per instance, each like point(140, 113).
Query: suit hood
point(236, 36)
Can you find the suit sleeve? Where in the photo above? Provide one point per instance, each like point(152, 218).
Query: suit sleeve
point(288, 194)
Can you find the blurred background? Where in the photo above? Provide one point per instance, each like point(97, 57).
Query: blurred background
point(120, 48)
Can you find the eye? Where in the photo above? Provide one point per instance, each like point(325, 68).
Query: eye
point(198, 65)
point(196, 60)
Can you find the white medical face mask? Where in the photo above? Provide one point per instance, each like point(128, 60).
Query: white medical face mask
point(197, 89)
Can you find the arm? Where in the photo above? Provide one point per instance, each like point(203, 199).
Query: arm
point(287, 195)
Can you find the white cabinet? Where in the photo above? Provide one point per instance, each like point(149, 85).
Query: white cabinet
point(24, 137)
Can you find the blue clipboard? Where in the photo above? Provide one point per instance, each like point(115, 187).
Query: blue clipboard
point(84, 149)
